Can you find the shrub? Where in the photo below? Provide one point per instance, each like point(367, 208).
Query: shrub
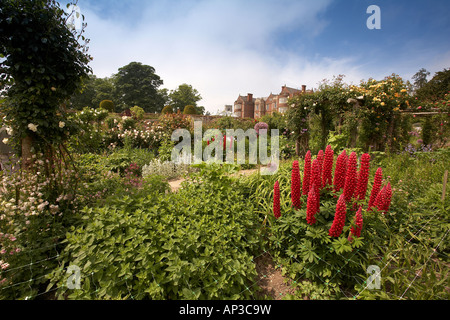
point(167, 109)
point(189, 110)
point(165, 247)
point(107, 105)
point(137, 113)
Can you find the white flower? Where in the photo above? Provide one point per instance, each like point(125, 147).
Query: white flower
point(32, 127)
point(61, 124)
point(9, 131)
point(5, 141)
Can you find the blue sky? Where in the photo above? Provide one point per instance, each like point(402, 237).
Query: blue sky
point(224, 48)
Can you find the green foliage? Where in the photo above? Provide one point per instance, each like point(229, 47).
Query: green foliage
point(137, 112)
point(189, 109)
point(137, 84)
point(435, 89)
point(107, 105)
point(183, 96)
point(165, 247)
point(167, 109)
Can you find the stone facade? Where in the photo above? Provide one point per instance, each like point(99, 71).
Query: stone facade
point(249, 107)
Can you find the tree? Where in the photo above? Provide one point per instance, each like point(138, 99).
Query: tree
point(137, 84)
point(183, 96)
point(43, 65)
point(435, 89)
point(94, 91)
point(420, 78)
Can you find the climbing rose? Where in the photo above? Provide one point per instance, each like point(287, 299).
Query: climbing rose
point(339, 172)
point(350, 177)
point(276, 200)
point(327, 167)
point(339, 218)
point(307, 173)
point(295, 185)
point(356, 230)
point(376, 187)
point(311, 206)
point(363, 177)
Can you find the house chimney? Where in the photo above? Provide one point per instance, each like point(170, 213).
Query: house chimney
point(250, 97)
point(303, 88)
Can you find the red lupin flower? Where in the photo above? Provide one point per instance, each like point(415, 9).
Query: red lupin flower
point(320, 159)
point(327, 178)
point(376, 187)
point(311, 206)
point(339, 218)
point(276, 200)
point(315, 175)
point(295, 186)
point(380, 199)
point(339, 172)
point(350, 177)
point(388, 198)
point(363, 177)
point(356, 230)
point(307, 173)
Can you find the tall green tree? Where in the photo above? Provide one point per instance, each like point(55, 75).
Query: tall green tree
point(44, 62)
point(420, 78)
point(184, 95)
point(435, 89)
point(137, 84)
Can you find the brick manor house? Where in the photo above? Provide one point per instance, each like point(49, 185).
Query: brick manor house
point(249, 107)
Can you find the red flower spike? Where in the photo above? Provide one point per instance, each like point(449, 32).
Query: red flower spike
point(315, 175)
point(295, 186)
point(328, 167)
point(387, 200)
point(311, 206)
point(350, 177)
point(339, 218)
point(376, 187)
point(339, 172)
point(320, 159)
point(363, 177)
point(307, 173)
point(356, 230)
point(381, 199)
point(276, 200)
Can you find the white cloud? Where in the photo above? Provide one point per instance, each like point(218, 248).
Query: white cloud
point(221, 48)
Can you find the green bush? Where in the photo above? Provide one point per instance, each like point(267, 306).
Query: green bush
point(137, 112)
point(167, 109)
point(107, 105)
point(189, 110)
point(165, 247)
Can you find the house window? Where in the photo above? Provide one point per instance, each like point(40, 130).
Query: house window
point(283, 100)
point(237, 107)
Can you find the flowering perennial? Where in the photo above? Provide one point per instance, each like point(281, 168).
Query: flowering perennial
point(376, 187)
point(320, 160)
point(307, 173)
point(340, 171)
point(276, 200)
point(350, 177)
point(356, 230)
point(327, 167)
point(311, 206)
point(339, 218)
point(295, 186)
point(363, 177)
